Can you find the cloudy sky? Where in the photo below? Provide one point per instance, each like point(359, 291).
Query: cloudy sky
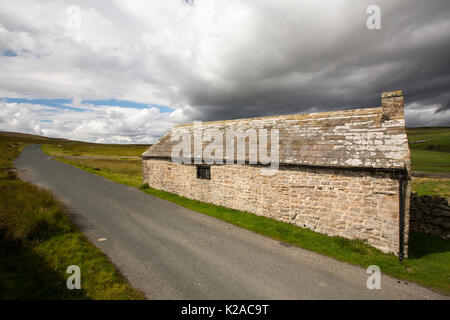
point(127, 71)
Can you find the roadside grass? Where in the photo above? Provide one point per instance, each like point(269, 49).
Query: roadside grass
point(38, 242)
point(428, 262)
point(11, 145)
point(431, 186)
point(127, 172)
point(72, 148)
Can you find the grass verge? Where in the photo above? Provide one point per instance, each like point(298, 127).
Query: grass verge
point(428, 262)
point(38, 243)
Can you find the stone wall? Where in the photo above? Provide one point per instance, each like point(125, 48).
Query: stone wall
point(349, 203)
point(430, 215)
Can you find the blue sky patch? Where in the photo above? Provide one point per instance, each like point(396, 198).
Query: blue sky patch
point(57, 103)
point(127, 104)
point(65, 103)
point(9, 53)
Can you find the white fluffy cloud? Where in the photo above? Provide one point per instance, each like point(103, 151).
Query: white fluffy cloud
point(216, 59)
point(103, 124)
point(419, 115)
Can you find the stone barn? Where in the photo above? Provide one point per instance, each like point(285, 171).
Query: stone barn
point(341, 173)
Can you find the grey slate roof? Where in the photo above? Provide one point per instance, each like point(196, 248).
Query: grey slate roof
point(364, 138)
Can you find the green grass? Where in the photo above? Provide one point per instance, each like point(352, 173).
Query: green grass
point(433, 153)
point(127, 172)
point(435, 138)
point(93, 149)
point(431, 187)
point(430, 161)
point(38, 242)
point(12, 143)
point(432, 156)
point(428, 263)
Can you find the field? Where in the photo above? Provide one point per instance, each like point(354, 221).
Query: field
point(429, 139)
point(430, 161)
point(430, 152)
point(38, 241)
point(432, 187)
point(82, 149)
point(430, 149)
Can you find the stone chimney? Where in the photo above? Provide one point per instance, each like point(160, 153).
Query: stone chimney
point(392, 104)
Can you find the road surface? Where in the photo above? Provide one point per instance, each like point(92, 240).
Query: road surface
point(170, 252)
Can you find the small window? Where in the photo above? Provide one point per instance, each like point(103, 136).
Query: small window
point(204, 172)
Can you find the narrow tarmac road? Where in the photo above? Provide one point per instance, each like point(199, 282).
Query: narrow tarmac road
point(170, 252)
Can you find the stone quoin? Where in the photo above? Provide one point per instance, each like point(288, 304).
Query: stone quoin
point(341, 173)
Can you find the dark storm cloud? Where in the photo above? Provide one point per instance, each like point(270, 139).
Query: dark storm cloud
point(297, 58)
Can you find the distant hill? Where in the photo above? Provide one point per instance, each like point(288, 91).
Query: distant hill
point(32, 138)
point(429, 138)
point(430, 149)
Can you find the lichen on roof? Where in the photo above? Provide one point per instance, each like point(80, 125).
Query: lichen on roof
point(363, 138)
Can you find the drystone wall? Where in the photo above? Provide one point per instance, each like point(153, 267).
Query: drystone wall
point(430, 215)
point(354, 204)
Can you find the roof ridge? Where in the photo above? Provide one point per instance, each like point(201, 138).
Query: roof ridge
point(286, 116)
